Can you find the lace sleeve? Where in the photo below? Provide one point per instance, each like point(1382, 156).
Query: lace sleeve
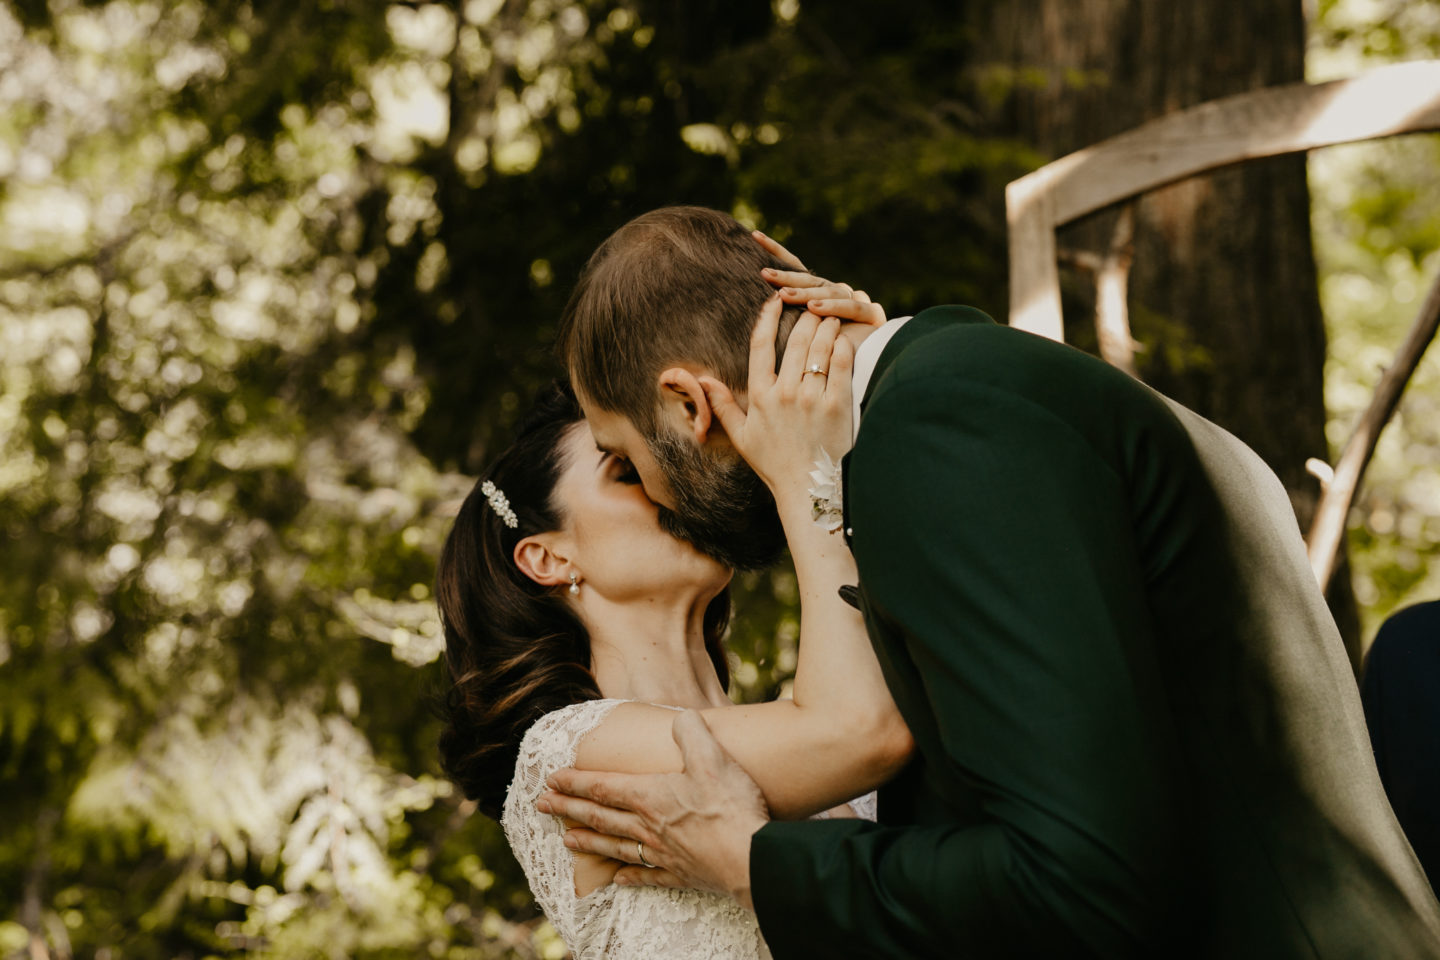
point(865, 807)
point(610, 923)
point(538, 839)
point(862, 807)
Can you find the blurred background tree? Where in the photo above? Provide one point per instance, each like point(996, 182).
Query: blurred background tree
point(277, 277)
point(1223, 295)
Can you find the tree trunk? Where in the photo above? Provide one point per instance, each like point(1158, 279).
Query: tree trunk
point(1223, 292)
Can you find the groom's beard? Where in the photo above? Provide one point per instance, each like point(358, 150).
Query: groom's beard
point(721, 506)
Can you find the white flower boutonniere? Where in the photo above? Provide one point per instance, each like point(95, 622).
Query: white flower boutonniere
point(827, 498)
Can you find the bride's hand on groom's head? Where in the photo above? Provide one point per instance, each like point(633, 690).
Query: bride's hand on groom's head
point(840, 301)
point(822, 297)
point(792, 412)
point(777, 250)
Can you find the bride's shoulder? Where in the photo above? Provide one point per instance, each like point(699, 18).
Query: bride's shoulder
point(568, 723)
point(624, 736)
point(550, 743)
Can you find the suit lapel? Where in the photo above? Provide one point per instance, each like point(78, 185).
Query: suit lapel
point(923, 323)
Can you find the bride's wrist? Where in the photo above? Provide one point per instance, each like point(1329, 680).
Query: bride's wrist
point(794, 503)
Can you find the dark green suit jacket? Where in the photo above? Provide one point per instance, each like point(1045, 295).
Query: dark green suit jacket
point(1137, 733)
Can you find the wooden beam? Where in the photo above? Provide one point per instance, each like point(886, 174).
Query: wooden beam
point(1034, 273)
point(1112, 302)
point(1402, 98)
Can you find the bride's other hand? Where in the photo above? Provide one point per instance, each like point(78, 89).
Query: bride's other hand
point(820, 296)
point(838, 300)
point(777, 250)
point(793, 413)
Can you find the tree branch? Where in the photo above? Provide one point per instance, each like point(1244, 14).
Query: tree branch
point(1086, 260)
point(1112, 281)
point(1328, 526)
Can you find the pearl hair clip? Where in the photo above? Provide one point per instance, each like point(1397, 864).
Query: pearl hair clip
point(499, 504)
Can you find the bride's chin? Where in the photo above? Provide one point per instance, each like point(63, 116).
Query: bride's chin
point(723, 576)
point(709, 575)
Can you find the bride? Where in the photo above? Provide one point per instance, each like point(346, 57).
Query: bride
point(575, 625)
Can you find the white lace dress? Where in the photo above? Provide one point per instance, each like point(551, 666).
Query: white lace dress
point(619, 923)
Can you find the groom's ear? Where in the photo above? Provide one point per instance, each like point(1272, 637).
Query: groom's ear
point(683, 403)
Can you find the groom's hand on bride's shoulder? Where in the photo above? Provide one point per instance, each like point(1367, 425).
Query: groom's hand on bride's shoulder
point(687, 829)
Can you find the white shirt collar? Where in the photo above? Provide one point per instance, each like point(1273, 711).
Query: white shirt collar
point(866, 357)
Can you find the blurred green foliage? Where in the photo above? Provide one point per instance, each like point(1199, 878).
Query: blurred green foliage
point(276, 277)
point(1377, 238)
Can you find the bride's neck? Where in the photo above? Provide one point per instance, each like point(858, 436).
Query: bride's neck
point(653, 652)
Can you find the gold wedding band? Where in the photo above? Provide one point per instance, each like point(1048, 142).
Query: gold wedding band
point(815, 368)
point(640, 852)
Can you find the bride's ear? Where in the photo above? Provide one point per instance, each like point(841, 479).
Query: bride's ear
point(537, 559)
point(683, 402)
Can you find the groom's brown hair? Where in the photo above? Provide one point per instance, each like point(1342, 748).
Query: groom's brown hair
point(678, 284)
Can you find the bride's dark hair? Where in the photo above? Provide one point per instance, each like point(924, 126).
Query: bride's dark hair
point(515, 649)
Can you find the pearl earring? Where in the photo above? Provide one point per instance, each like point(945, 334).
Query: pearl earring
point(574, 584)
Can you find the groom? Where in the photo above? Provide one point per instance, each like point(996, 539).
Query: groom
point(1136, 730)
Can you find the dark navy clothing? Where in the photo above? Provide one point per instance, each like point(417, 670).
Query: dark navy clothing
point(1401, 693)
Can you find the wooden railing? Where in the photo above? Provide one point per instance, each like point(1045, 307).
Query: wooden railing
point(1404, 98)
